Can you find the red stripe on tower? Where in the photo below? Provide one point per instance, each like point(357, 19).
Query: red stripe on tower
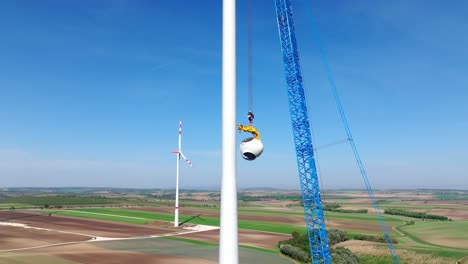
point(180, 127)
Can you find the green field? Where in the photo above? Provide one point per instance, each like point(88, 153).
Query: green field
point(424, 239)
point(9, 206)
point(442, 233)
point(141, 217)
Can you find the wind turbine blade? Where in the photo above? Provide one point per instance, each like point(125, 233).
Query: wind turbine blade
point(185, 158)
point(180, 135)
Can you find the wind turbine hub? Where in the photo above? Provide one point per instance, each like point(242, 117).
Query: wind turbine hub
point(251, 148)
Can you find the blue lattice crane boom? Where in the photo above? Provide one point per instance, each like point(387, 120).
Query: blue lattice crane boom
point(312, 202)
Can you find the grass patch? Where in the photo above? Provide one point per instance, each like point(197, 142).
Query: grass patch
point(7, 206)
point(99, 217)
point(428, 232)
point(373, 259)
point(455, 254)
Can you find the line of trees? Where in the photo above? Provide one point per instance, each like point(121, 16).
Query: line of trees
point(379, 239)
point(336, 208)
point(298, 247)
point(393, 211)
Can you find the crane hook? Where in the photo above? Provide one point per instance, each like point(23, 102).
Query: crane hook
point(250, 116)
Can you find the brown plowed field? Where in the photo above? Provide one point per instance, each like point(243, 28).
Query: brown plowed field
point(89, 253)
point(19, 237)
point(80, 225)
point(246, 237)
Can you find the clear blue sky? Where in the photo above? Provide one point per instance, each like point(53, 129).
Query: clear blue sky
point(91, 92)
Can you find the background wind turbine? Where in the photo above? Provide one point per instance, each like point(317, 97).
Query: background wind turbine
point(179, 154)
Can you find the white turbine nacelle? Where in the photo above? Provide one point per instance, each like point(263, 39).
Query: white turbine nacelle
point(251, 148)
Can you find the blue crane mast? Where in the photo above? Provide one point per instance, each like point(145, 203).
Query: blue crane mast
point(311, 199)
point(313, 210)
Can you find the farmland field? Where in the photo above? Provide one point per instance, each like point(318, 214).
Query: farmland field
point(442, 233)
point(265, 218)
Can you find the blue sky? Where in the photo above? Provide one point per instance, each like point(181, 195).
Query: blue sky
point(91, 93)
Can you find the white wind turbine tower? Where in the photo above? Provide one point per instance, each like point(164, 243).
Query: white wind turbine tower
point(179, 154)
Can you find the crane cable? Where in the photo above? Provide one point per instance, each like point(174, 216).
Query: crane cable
point(344, 120)
point(250, 56)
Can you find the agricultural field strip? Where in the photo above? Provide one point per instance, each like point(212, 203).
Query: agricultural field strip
point(131, 217)
point(157, 216)
point(43, 246)
point(43, 229)
point(16, 206)
point(95, 238)
point(423, 242)
point(329, 215)
point(438, 230)
point(116, 218)
point(273, 227)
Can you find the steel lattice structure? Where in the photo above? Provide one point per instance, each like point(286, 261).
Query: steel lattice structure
point(312, 202)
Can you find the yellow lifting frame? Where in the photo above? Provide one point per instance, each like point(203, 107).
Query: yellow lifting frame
point(250, 129)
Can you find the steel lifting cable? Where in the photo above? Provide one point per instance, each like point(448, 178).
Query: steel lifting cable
point(250, 56)
point(324, 60)
point(331, 144)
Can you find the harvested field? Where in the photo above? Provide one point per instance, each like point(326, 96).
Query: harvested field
point(246, 237)
point(129, 257)
point(82, 226)
point(19, 237)
point(90, 253)
point(154, 250)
